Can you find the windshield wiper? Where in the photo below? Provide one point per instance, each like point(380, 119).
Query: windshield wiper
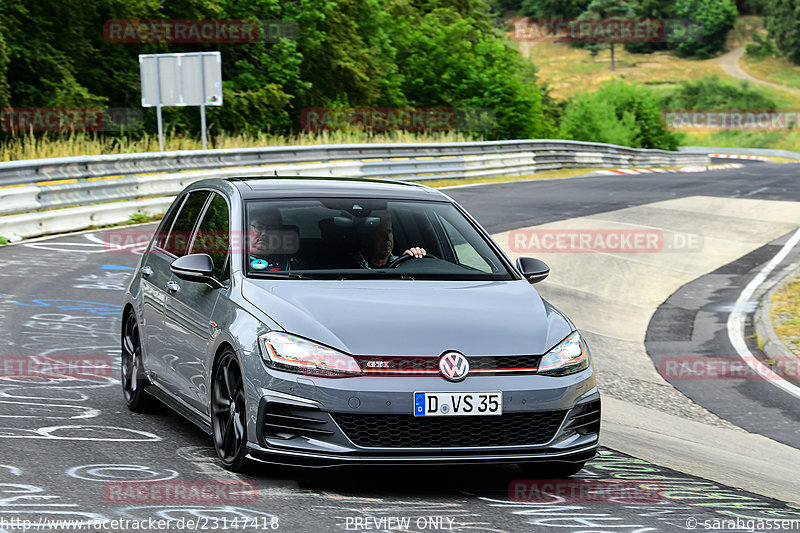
point(276, 275)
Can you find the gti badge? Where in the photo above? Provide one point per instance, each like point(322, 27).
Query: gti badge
point(453, 366)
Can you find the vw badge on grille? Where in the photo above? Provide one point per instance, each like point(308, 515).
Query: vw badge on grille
point(453, 366)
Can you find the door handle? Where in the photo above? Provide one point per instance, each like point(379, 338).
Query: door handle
point(173, 286)
point(147, 271)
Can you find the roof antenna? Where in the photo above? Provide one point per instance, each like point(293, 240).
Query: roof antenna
point(276, 172)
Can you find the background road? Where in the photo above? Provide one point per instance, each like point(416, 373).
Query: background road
point(64, 440)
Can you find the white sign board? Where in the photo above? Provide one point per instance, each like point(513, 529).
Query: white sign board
point(181, 79)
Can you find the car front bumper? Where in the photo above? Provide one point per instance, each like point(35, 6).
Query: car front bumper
point(369, 420)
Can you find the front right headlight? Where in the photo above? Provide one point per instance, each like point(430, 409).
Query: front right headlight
point(568, 356)
point(296, 354)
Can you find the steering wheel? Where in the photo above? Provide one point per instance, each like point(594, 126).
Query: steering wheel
point(405, 257)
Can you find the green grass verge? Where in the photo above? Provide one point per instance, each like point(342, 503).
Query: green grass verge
point(785, 313)
point(549, 174)
point(778, 140)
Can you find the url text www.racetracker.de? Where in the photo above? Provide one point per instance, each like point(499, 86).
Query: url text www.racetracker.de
point(147, 524)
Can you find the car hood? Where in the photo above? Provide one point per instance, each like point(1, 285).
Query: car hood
point(401, 317)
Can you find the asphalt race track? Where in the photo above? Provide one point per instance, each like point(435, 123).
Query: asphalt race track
point(69, 443)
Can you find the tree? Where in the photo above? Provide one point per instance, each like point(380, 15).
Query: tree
point(4, 60)
point(717, 17)
point(568, 9)
point(655, 10)
point(604, 10)
point(782, 25)
point(350, 53)
point(446, 59)
point(753, 7)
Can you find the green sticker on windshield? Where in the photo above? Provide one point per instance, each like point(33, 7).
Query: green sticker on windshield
point(258, 264)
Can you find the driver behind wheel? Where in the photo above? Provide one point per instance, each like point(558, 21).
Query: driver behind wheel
point(377, 243)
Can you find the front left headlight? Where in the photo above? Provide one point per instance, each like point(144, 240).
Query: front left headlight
point(568, 356)
point(296, 354)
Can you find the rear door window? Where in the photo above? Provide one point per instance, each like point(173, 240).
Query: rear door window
point(178, 241)
point(166, 224)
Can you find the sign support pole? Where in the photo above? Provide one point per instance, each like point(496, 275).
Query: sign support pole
point(160, 130)
point(203, 102)
point(158, 111)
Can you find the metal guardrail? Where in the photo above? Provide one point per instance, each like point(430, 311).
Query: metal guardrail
point(107, 189)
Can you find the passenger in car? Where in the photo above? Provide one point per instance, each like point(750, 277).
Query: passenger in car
point(272, 244)
point(377, 243)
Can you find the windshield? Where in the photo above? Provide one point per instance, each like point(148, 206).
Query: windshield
point(364, 238)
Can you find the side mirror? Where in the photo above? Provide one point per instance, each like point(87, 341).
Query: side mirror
point(534, 270)
point(196, 267)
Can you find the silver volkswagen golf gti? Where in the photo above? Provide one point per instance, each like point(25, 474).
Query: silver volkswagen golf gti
point(321, 322)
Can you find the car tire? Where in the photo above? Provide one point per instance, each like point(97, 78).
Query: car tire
point(132, 370)
point(228, 414)
point(551, 470)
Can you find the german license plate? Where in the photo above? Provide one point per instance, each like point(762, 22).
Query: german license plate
point(458, 403)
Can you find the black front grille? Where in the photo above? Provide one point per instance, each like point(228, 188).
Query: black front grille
point(504, 362)
point(408, 431)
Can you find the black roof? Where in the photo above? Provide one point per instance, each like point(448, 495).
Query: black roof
point(258, 187)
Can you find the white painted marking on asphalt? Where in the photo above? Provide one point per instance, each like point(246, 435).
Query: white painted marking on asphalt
point(12, 469)
point(737, 317)
point(120, 472)
point(85, 247)
point(762, 189)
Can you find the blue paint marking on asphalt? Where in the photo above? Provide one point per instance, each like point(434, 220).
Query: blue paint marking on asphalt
point(116, 267)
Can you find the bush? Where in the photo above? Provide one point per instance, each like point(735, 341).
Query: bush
point(761, 48)
point(712, 93)
point(618, 113)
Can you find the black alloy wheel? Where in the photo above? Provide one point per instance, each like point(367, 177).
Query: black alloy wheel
point(131, 370)
point(228, 413)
